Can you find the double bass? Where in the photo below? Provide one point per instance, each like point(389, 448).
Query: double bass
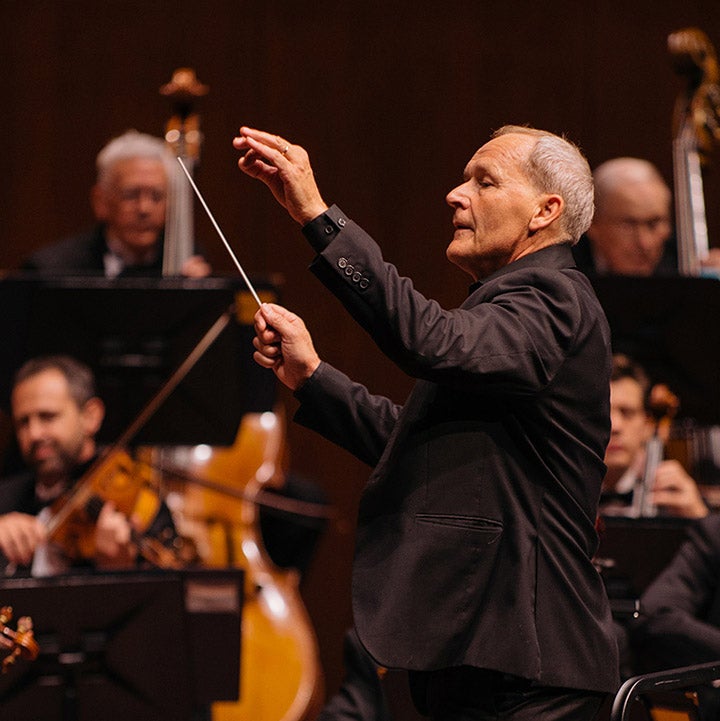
point(183, 136)
point(218, 506)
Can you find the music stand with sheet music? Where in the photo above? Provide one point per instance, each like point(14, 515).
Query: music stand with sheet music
point(134, 333)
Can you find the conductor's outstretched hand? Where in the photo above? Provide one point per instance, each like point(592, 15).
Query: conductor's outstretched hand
point(283, 343)
point(284, 168)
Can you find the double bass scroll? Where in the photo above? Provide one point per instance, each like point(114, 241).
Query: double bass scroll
point(696, 129)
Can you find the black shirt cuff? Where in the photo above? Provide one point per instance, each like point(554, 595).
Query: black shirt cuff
point(322, 230)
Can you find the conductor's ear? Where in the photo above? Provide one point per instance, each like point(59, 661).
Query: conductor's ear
point(548, 210)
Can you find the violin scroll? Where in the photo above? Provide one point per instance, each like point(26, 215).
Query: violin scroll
point(16, 643)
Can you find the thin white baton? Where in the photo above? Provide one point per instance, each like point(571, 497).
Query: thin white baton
point(220, 233)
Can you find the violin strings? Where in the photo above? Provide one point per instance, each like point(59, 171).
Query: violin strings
point(220, 233)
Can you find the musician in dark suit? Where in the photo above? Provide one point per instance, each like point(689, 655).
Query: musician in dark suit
point(129, 200)
point(476, 530)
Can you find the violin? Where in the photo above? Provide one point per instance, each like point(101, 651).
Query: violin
point(128, 484)
point(16, 643)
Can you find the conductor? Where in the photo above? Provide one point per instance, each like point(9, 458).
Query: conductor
point(476, 529)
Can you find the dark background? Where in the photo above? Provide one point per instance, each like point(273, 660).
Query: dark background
point(390, 99)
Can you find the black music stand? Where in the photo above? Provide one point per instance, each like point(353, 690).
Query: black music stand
point(147, 646)
point(632, 552)
point(670, 326)
point(134, 333)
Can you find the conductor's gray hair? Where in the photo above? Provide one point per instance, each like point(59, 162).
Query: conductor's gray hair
point(556, 165)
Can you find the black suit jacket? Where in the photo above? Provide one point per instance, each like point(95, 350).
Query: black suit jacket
point(476, 529)
point(84, 255)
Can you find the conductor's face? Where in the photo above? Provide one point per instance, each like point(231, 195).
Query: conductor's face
point(132, 202)
point(493, 207)
point(54, 434)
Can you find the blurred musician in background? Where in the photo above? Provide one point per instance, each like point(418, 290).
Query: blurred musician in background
point(129, 200)
point(632, 231)
point(674, 492)
point(56, 415)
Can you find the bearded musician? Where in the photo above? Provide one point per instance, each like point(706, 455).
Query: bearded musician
point(56, 415)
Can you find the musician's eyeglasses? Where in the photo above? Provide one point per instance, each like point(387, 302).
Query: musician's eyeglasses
point(133, 195)
point(659, 223)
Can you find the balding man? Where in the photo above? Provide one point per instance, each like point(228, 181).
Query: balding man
point(631, 232)
point(473, 562)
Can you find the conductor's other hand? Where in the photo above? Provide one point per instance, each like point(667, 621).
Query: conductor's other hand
point(284, 168)
point(283, 343)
